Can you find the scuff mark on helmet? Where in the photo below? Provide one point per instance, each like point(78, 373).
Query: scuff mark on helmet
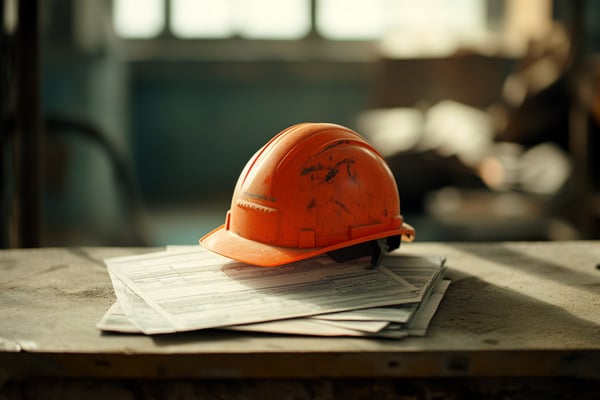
point(310, 169)
point(342, 206)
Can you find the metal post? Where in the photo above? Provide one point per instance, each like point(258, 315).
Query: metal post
point(28, 139)
point(4, 60)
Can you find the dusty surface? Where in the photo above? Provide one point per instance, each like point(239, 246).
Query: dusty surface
point(516, 303)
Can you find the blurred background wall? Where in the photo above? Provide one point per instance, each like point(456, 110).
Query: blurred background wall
point(485, 110)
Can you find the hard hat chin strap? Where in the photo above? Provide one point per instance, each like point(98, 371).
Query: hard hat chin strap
point(380, 248)
point(377, 249)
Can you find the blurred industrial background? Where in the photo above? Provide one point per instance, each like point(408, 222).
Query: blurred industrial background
point(127, 122)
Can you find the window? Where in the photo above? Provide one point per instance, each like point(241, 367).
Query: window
point(138, 19)
point(291, 19)
point(351, 19)
point(201, 18)
point(272, 19)
point(400, 27)
point(209, 19)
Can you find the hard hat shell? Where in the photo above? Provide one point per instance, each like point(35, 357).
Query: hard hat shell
point(313, 188)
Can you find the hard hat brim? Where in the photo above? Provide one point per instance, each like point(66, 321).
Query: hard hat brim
point(230, 245)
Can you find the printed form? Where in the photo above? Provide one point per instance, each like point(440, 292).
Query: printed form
point(421, 272)
point(196, 289)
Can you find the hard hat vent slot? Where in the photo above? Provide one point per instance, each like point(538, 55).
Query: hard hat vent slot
point(255, 206)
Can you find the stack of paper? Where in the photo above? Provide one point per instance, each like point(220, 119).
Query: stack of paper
point(191, 288)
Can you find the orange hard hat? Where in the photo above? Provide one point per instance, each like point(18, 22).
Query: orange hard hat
point(313, 189)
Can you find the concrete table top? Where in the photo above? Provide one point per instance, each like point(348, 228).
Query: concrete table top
point(513, 309)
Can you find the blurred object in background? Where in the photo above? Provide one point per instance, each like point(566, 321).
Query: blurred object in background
point(543, 169)
point(589, 97)
point(490, 104)
point(452, 128)
point(538, 94)
point(392, 130)
point(493, 153)
point(429, 149)
point(85, 192)
point(90, 195)
point(21, 137)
